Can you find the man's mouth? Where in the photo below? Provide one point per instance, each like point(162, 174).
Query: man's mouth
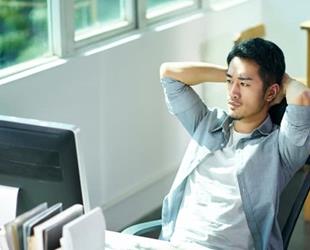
point(234, 104)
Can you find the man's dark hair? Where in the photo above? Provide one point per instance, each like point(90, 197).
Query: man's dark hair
point(266, 54)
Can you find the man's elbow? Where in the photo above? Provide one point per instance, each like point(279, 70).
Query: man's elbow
point(304, 98)
point(164, 70)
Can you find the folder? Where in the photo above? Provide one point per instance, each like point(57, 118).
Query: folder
point(48, 233)
point(37, 219)
point(13, 229)
point(3, 242)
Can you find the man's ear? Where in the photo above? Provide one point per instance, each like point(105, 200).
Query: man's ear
point(272, 92)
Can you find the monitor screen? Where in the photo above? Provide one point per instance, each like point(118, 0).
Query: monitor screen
point(42, 160)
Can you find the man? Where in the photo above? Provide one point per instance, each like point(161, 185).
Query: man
point(226, 192)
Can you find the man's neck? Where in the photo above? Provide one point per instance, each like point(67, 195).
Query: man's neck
point(248, 125)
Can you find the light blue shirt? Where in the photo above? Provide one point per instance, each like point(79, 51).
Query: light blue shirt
point(270, 158)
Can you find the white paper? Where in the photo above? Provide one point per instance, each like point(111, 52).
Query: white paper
point(8, 200)
point(3, 243)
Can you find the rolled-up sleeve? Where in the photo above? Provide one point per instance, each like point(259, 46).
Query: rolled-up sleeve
point(183, 102)
point(294, 136)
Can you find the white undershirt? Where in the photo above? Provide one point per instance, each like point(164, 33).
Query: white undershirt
point(211, 213)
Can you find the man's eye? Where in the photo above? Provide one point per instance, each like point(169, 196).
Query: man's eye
point(244, 84)
point(228, 81)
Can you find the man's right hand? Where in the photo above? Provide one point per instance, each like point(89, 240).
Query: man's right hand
point(295, 92)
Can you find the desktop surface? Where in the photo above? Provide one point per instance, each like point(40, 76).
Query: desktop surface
point(120, 241)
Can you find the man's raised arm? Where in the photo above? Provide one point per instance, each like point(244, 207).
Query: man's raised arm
point(192, 73)
point(296, 92)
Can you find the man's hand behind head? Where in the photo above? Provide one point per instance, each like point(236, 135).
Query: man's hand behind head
point(281, 94)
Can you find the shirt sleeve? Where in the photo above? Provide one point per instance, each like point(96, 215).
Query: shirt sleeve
point(294, 137)
point(183, 102)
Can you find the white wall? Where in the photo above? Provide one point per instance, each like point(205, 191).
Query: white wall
point(131, 144)
point(282, 19)
point(222, 28)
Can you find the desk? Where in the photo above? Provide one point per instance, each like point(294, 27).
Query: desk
point(119, 241)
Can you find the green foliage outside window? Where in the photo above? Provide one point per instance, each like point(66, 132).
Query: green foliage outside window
point(24, 27)
point(23, 30)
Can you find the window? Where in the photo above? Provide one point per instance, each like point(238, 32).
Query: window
point(39, 29)
point(23, 31)
point(160, 8)
point(93, 17)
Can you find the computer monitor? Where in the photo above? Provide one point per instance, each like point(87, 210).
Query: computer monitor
point(43, 160)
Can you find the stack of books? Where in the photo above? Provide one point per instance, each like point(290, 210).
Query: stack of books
point(50, 228)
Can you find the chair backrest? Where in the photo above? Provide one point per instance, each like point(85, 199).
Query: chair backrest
point(295, 193)
point(258, 30)
point(291, 203)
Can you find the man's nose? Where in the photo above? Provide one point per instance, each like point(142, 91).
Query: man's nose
point(234, 91)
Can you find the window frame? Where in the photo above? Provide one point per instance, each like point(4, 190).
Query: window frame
point(222, 4)
point(174, 12)
point(62, 30)
point(112, 30)
point(63, 42)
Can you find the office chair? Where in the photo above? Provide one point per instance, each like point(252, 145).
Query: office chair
point(291, 199)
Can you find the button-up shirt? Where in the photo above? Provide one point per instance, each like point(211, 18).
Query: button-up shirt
point(269, 159)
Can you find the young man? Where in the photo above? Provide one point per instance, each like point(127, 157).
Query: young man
point(226, 192)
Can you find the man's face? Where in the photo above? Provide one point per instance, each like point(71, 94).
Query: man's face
point(246, 95)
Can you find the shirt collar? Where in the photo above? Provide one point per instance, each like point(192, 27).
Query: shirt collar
point(224, 125)
point(264, 129)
